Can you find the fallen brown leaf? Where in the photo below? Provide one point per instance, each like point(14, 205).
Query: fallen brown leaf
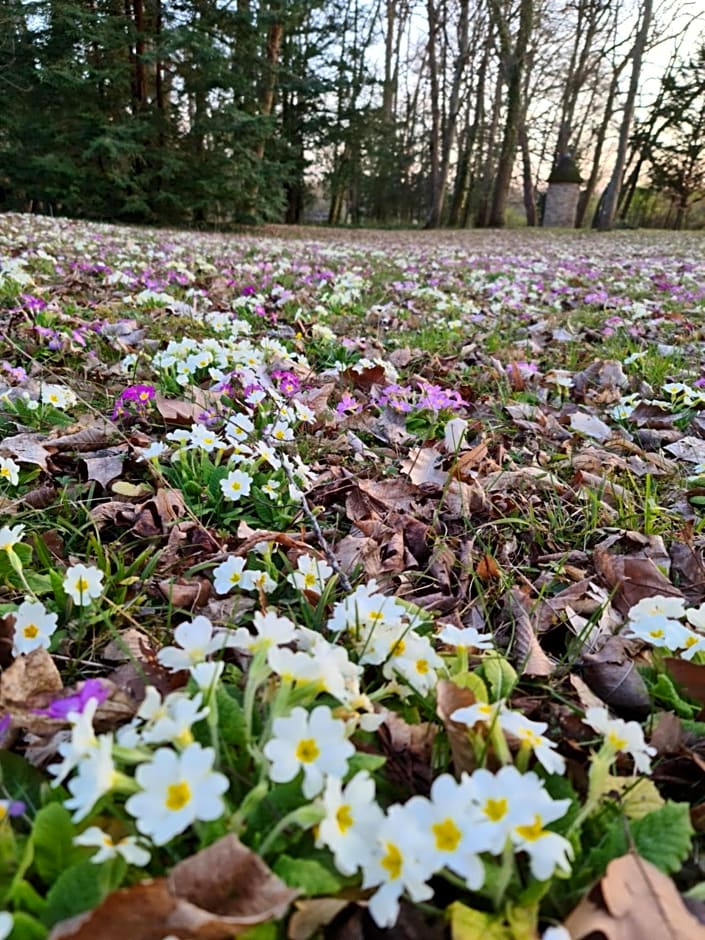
point(634, 900)
point(216, 894)
point(449, 698)
point(523, 649)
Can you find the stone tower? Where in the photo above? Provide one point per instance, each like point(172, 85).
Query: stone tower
point(562, 194)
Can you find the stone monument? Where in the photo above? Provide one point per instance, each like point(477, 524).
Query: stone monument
point(562, 194)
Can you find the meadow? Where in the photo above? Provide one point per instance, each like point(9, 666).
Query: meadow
point(351, 582)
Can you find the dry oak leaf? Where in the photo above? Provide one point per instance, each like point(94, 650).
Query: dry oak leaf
point(524, 650)
point(422, 466)
point(215, 894)
point(634, 900)
point(31, 682)
point(27, 448)
point(634, 578)
point(449, 698)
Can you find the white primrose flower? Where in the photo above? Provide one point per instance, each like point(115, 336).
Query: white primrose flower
point(696, 616)
point(546, 850)
point(176, 790)
point(203, 438)
point(364, 610)
point(196, 641)
point(266, 453)
point(96, 775)
point(9, 471)
point(155, 450)
point(82, 742)
point(262, 581)
point(691, 644)
point(447, 821)
point(238, 427)
point(503, 801)
point(486, 713)
point(413, 659)
point(658, 630)
point(236, 485)
point(270, 630)
point(207, 675)
point(530, 734)
point(280, 432)
point(620, 735)
point(556, 933)
point(172, 722)
point(34, 627)
point(351, 822)
point(296, 667)
point(7, 923)
point(465, 637)
point(397, 862)
point(671, 607)
point(231, 574)
point(59, 396)
point(83, 584)
point(311, 574)
point(10, 536)
point(314, 743)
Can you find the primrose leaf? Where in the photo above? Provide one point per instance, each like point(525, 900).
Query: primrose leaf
point(53, 834)
point(82, 887)
point(664, 836)
point(308, 875)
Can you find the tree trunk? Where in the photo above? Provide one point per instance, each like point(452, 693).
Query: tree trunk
point(608, 206)
point(513, 63)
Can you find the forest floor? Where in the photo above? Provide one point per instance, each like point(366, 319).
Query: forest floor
point(351, 583)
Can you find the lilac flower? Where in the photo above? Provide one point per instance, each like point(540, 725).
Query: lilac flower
point(287, 382)
point(32, 303)
point(5, 722)
point(11, 808)
point(348, 403)
point(436, 398)
point(395, 397)
point(76, 702)
point(133, 400)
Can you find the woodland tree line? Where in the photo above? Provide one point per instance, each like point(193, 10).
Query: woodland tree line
point(427, 112)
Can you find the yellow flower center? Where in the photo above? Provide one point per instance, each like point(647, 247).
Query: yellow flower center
point(307, 750)
point(495, 809)
point(82, 585)
point(447, 835)
point(398, 648)
point(235, 577)
point(177, 795)
point(344, 818)
point(656, 634)
point(30, 631)
point(533, 832)
point(691, 641)
point(530, 738)
point(617, 743)
point(4, 472)
point(107, 841)
point(184, 738)
point(3, 812)
point(376, 615)
point(309, 580)
point(235, 485)
point(392, 862)
point(422, 666)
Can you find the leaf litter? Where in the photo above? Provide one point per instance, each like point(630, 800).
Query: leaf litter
point(484, 461)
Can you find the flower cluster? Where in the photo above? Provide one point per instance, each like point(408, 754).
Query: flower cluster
point(133, 400)
point(399, 851)
point(657, 620)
